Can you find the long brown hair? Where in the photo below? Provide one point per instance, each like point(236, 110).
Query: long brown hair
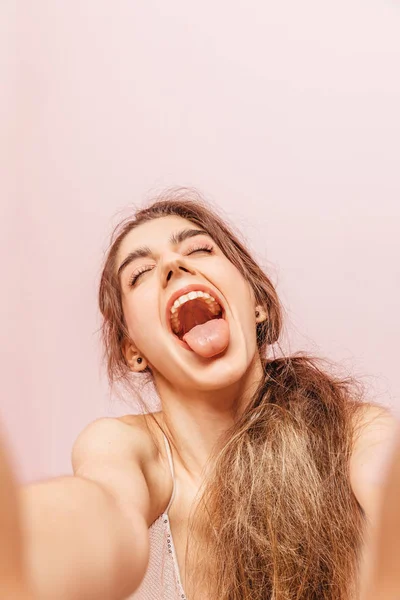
point(276, 517)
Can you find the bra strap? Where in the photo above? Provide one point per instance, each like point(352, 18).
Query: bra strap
point(171, 466)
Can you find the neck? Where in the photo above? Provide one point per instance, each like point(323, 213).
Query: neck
point(196, 420)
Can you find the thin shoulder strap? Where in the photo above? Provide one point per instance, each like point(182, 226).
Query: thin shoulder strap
point(171, 466)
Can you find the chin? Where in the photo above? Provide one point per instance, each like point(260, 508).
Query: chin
point(217, 373)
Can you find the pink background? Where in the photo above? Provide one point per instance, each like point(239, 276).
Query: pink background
point(285, 114)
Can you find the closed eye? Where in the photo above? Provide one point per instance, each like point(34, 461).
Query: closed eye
point(205, 248)
point(137, 274)
point(144, 269)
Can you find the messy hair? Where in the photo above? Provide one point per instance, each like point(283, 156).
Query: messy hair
point(276, 516)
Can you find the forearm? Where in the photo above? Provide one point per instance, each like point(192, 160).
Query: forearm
point(12, 568)
point(382, 580)
point(74, 539)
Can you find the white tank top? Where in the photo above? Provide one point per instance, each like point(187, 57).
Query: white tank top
point(162, 579)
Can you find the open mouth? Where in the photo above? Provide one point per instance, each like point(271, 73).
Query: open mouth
point(192, 309)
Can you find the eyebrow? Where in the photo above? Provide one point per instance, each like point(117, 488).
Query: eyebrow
point(145, 251)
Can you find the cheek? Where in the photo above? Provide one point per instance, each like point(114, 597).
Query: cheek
point(238, 290)
point(142, 317)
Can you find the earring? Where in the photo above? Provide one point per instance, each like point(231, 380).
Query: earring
point(260, 315)
point(139, 360)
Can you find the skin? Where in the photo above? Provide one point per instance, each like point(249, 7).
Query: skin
point(14, 583)
point(382, 580)
point(199, 396)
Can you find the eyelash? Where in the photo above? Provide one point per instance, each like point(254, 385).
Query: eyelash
point(136, 275)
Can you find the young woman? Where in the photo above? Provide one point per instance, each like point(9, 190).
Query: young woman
point(260, 476)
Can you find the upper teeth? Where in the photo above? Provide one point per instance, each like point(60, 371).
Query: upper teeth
point(191, 296)
point(213, 304)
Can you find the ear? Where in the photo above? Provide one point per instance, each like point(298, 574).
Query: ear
point(132, 354)
point(261, 313)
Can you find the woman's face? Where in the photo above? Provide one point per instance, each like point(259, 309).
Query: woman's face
point(169, 266)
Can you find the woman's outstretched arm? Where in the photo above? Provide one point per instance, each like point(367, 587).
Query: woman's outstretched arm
point(382, 581)
point(13, 571)
point(78, 538)
point(376, 434)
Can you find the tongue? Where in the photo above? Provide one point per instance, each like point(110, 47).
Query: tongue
point(208, 339)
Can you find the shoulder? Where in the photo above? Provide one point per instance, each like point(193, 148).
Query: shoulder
point(375, 431)
point(132, 442)
point(111, 437)
point(375, 427)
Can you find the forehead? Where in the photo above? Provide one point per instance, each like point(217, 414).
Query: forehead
point(154, 233)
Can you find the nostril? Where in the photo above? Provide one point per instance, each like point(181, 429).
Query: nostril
point(170, 272)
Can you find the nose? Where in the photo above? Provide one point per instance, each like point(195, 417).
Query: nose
point(174, 266)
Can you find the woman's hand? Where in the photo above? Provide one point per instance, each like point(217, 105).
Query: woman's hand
point(14, 584)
